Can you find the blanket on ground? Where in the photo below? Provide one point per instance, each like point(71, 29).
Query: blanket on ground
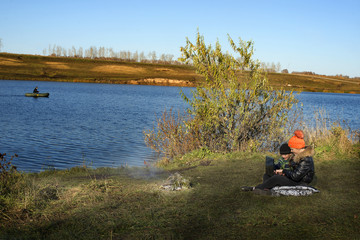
point(293, 191)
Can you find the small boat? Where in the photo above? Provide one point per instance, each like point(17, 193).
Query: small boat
point(37, 94)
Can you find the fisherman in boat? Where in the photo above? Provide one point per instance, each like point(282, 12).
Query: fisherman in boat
point(36, 90)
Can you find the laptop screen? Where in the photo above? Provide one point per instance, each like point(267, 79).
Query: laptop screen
point(269, 166)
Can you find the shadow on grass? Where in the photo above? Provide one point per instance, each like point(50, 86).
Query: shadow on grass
point(117, 206)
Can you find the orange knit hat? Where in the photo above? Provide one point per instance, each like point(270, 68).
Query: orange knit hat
point(297, 141)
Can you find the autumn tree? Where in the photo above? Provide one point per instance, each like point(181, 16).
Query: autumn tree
point(226, 113)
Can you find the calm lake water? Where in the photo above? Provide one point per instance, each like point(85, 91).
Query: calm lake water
point(102, 125)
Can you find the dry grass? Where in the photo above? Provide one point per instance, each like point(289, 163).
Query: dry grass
point(58, 65)
point(164, 69)
point(128, 203)
point(170, 137)
point(32, 67)
point(111, 204)
point(118, 69)
point(331, 139)
point(9, 62)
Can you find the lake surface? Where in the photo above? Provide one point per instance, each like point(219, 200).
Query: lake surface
point(101, 125)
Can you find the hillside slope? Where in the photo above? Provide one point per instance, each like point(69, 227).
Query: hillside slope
point(45, 68)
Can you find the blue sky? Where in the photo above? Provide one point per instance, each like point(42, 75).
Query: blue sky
point(302, 35)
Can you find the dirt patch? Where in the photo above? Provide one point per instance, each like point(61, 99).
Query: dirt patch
point(162, 82)
point(10, 62)
point(164, 70)
point(58, 65)
point(118, 69)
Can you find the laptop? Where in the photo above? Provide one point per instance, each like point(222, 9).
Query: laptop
point(269, 166)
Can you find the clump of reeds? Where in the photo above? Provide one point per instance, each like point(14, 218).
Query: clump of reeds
point(8, 174)
point(11, 183)
point(170, 136)
point(331, 139)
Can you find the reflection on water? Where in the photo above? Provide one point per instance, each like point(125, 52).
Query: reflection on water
point(102, 125)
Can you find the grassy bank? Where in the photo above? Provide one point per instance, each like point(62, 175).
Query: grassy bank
point(44, 68)
point(127, 203)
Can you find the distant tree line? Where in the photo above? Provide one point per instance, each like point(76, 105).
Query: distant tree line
point(304, 73)
point(94, 52)
point(270, 67)
point(336, 76)
point(109, 53)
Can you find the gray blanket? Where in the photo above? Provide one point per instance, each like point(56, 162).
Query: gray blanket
point(293, 191)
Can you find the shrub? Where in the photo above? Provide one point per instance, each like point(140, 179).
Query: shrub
point(225, 114)
point(8, 174)
point(171, 137)
point(11, 183)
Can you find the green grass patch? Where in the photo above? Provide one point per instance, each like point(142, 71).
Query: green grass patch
point(127, 203)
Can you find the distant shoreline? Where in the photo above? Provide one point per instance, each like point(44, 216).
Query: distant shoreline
point(64, 69)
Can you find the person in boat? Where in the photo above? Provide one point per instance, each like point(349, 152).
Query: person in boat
point(301, 172)
point(36, 90)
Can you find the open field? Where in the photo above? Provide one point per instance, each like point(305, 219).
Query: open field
point(43, 68)
point(127, 203)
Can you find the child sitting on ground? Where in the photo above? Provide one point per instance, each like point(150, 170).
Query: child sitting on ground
point(301, 173)
point(283, 162)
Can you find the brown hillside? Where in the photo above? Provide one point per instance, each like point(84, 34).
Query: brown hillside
point(45, 68)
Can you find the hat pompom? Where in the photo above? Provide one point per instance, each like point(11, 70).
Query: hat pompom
point(297, 141)
point(299, 134)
